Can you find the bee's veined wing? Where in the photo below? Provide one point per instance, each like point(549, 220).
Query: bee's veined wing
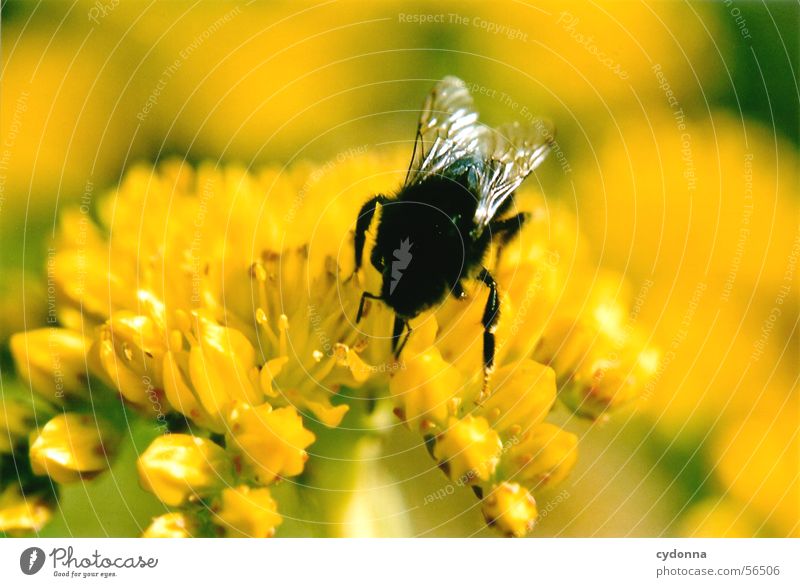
point(511, 152)
point(448, 130)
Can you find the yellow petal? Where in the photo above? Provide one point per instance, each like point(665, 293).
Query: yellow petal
point(182, 397)
point(221, 367)
point(269, 372)
point(269, 443)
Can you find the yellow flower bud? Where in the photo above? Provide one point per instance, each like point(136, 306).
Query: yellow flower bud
point(245, 512)
point(544, 457)
point(524, 393)
point(424, 390)
point(604, 384)
point(179, 467)
point(72, 447)
point(173, 525)
point(269, 443)
point(53, 361)
point(510, 509)
point(131, 351)
point(20, 514)
point(468, 449)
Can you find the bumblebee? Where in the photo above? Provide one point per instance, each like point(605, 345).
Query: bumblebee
point(436, 231)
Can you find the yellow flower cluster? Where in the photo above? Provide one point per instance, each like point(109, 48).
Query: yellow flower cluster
point(224, 352)
point(220, 304)
point(553, 344)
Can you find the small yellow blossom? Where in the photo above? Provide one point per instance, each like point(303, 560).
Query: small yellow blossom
point(510, 508)
point(53, 361)
point(130, 351)
point(604, 384)
point(544, 456)
point(223, 367)
point(245, 512)
point(468, 449)
point(523, 394)
point(217, 369)
point(270, 443)
point(72, 447)
point(424, 390)
point(178, 468)
point(21, 514)
point(173, 525)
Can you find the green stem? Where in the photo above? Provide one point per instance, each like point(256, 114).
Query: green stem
point(346, 490)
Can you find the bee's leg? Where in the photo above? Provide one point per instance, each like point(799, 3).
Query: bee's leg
point(458, 291)
point(491, 314)
point(362, 224)
point(364, 297)
point(508, 228)
point(397, 330)
point(399, 326)
point(505, 231)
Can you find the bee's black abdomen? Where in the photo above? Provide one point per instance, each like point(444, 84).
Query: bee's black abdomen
point(425, 240)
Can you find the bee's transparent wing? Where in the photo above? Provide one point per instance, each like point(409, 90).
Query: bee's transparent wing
point(448, 130)
point(511, 153)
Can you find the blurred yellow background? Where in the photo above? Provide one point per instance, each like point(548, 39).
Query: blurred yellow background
point(677, 152)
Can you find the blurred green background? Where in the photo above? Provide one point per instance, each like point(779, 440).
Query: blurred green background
point(675, 121)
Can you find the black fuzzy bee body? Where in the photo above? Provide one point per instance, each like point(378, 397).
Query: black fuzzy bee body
point(424, 245)
point(437, 230)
